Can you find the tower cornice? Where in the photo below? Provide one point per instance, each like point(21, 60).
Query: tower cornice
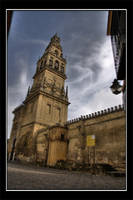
point(38, 92)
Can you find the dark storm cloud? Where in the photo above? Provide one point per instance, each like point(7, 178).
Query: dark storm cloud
point(83, 21)
point(84, 27)
point(87, 34)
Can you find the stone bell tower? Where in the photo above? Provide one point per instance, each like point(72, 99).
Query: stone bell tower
point(48, 85)
point(46, 102)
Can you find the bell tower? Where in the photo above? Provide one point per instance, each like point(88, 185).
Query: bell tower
point(48, 86)
point(46, 102)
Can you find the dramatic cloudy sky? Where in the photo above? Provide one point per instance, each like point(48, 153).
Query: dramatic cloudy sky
point(87, 48)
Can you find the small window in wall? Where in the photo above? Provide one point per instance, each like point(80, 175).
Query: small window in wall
point(62, 137)
point(50, 62)
point(49, 108)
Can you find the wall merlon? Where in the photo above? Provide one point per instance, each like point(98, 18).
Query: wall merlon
point(105, 111)
point(97, 114)
point(92, 115)
point(112, 109)
point(89, 115)
point(115, 108)
point(101, 112)
point(108, 110)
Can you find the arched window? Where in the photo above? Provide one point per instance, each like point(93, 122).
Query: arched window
point(62, 137)
point(56, 53)
point(50, 62)
point(56, 65)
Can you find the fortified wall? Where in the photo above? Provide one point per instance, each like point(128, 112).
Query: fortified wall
point(69, 142)
point(109, 128)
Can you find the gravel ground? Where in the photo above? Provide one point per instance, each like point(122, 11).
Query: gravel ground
point(28, 177)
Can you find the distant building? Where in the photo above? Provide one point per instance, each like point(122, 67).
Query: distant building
point(41, 132)
point(116, 28)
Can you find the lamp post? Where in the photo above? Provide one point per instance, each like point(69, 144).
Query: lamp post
point(116, 88)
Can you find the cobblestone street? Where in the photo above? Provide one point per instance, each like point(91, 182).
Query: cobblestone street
point(22, 177)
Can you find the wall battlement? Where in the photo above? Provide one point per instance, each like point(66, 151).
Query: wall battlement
point(97, 114)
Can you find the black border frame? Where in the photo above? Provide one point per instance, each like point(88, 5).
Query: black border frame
point(91, 4)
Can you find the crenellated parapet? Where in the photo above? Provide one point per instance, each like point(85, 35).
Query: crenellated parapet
point(97, 114)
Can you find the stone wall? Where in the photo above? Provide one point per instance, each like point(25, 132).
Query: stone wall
point(109, 129)
point(51, 111)
point(45, 145)
point(41, 151)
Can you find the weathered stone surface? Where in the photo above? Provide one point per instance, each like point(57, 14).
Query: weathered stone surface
point(110, 134)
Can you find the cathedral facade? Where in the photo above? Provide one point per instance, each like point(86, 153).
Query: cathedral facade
point(41, 133)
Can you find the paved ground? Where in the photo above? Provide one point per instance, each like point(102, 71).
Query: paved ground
point(22, 177)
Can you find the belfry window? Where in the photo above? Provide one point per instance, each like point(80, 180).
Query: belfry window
point(56, 53)
point(56, 65)
point(50, 62)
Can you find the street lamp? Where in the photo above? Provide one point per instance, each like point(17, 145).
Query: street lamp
point(116, 88)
